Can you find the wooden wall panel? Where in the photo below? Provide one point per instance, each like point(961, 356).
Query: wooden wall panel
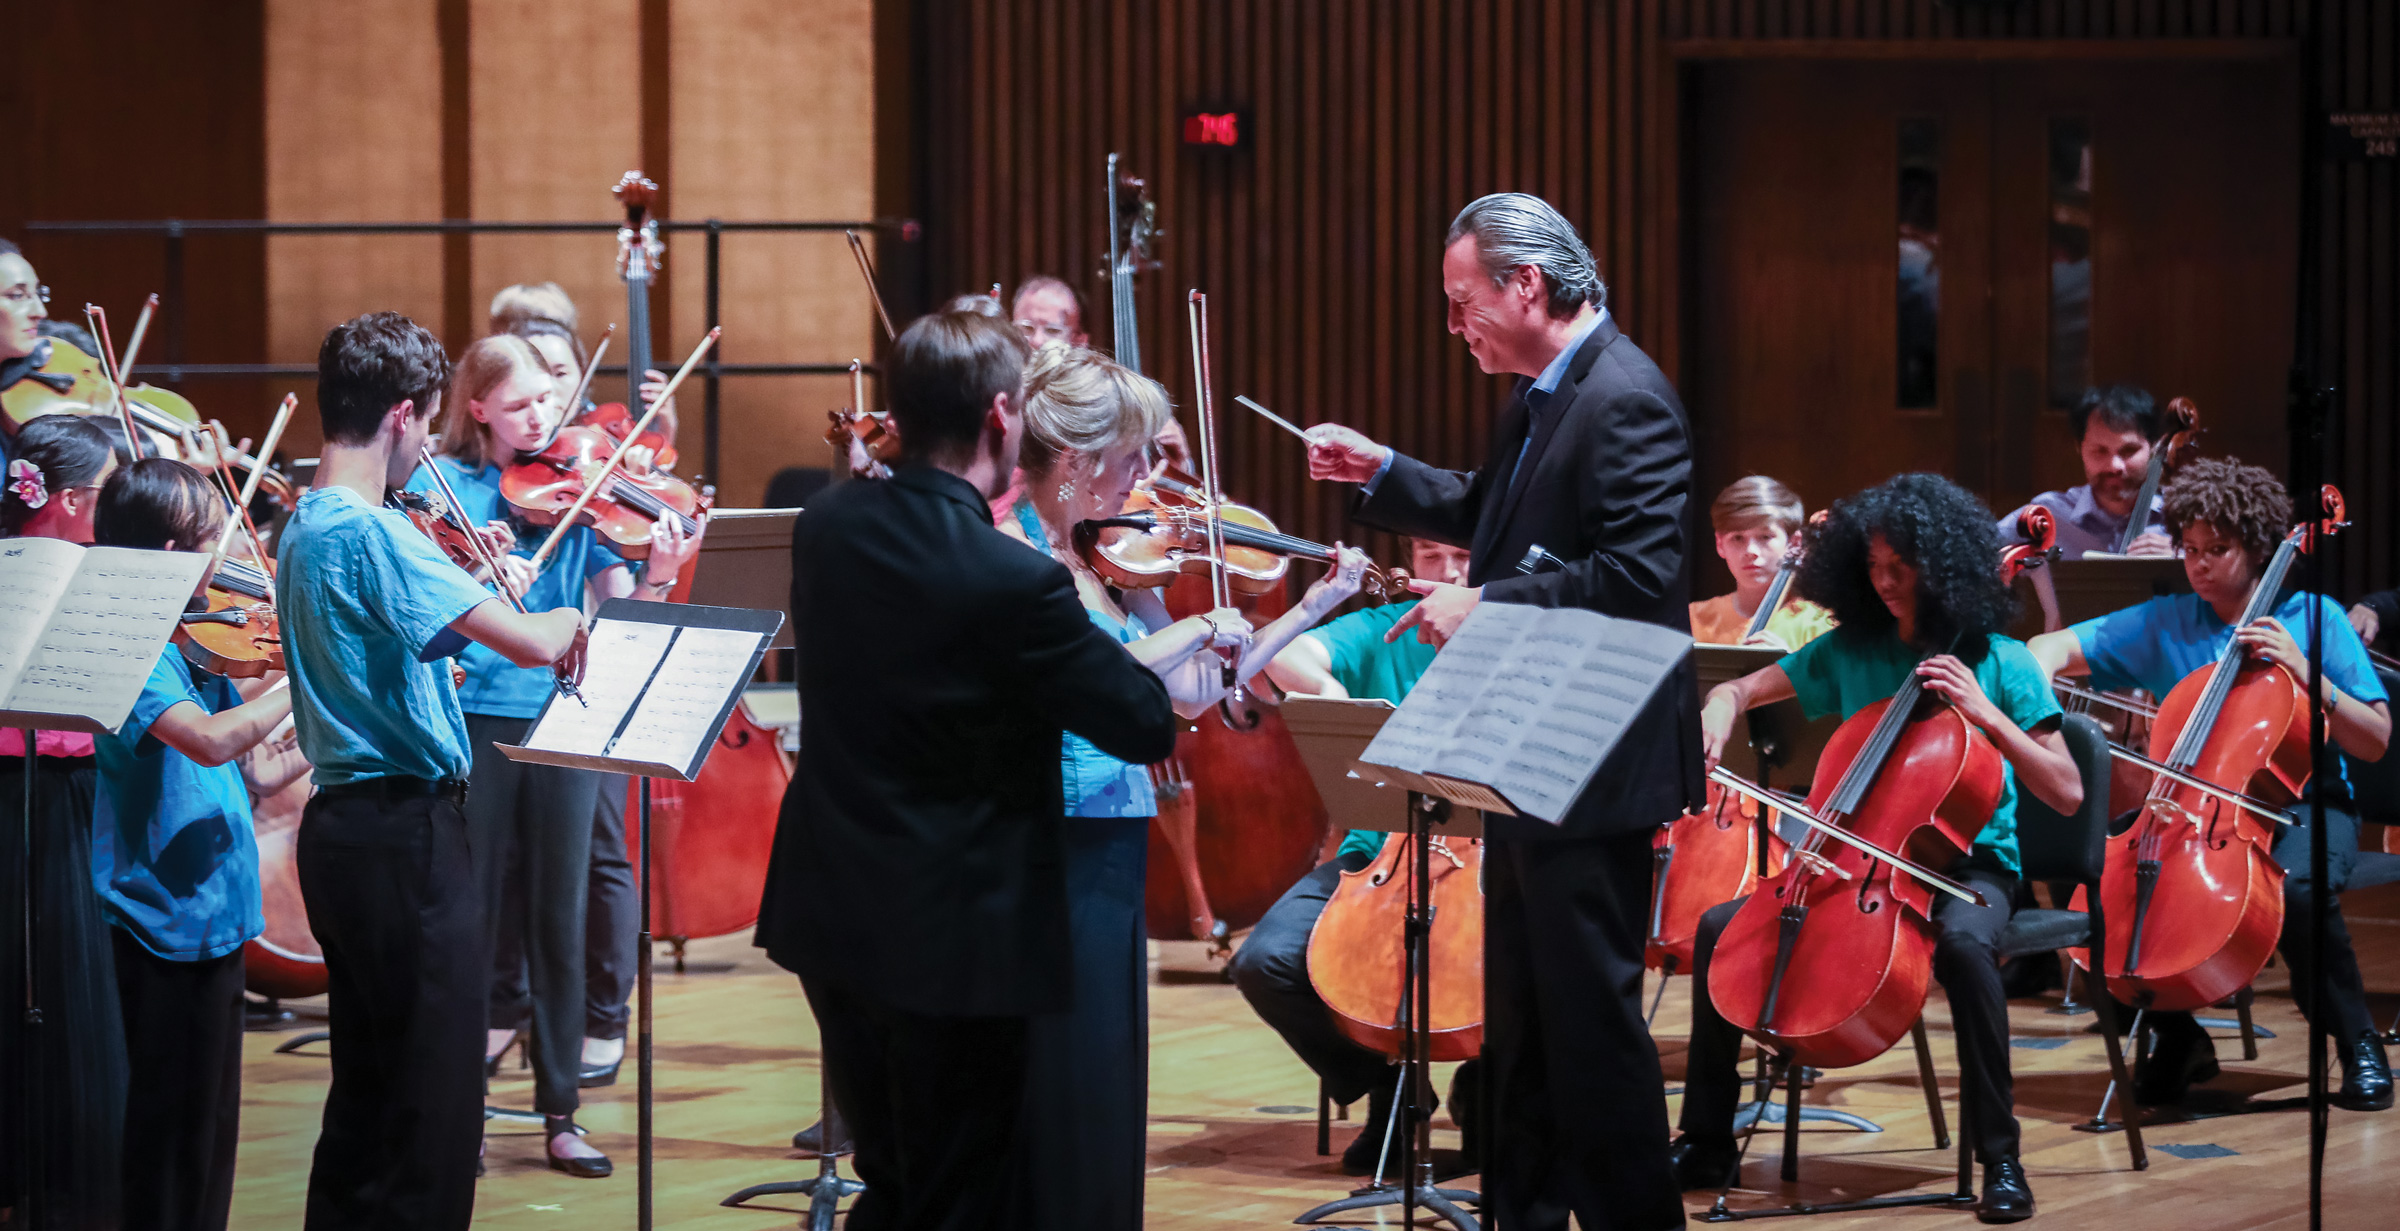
point(333, 74)
point(167, 124)
point(774, 117)
point(1373, 121)
point(553, 119)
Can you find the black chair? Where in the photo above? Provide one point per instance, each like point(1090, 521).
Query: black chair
point(2070, 851)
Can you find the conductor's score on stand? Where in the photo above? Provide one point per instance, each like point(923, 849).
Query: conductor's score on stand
point(1213, 128)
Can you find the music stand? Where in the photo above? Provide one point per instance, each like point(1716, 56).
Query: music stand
point(746, 561)
point(1331, 735)
point(2096, 585)
point(95, 640)
point(661, 683)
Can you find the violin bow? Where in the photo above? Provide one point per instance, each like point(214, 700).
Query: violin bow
point(592, 486)
point(1742, 786)
point(566, 413)
point(558, 674)
point(1212, 494)
point(97, 317)
point(249, 492)
point(866, 270)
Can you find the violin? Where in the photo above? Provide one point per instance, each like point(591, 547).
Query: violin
point(2182, 428)
point(542, 486)
point(1357, 957)
point(864, 439)
point(441, 522)
point(1164, 532)
point(2191, 897)
point(67, 381)
point(233, 630)
point(1853, 905)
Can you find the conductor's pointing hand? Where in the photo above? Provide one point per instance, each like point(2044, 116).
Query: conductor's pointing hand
point(1341, 455)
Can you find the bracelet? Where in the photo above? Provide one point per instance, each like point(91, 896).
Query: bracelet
point(1211, 621)
point(662, 588)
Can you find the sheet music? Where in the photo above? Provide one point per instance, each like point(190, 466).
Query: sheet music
point(705, 666)
point(110, 624)
point(1533, 703)
point(33, 572)
point(619, 658)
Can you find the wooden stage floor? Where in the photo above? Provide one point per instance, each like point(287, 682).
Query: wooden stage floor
point(1232, 1125)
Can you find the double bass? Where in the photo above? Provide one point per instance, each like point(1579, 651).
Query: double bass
point(1239, 819)
point(709, 838)
point(2190, 894)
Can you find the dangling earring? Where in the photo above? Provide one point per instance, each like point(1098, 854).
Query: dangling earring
point(1066, 492)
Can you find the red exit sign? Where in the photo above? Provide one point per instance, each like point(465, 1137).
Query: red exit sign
point(1213, 128)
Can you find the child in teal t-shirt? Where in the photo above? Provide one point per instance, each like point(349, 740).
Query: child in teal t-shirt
point(1910, 570)
point(1355, 656)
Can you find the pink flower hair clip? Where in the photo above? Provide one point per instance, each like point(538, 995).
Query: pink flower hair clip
point(25, 479)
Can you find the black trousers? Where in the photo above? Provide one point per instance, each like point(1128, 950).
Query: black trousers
point(1083, 1136)
point(1271, 968)
point(183, 1035)
point(933, 1105)
point(393, 899)
point(529, 831)
point(66, 1074)
point(2344, 1014)
point(1966, 962)
point(612, 918)
point(1580, 1115)
point(612, 925)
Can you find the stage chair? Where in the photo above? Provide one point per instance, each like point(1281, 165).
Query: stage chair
point(2069, 851)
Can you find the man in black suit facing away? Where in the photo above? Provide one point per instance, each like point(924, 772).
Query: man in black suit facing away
point(916, 884)
point(1590, 465)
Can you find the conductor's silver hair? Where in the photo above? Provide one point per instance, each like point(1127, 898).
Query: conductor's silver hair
point(1515, 228)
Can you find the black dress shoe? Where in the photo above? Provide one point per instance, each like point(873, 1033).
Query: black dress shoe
point(810, 1142)
point(1703, 1165)
point(2179, 1061)
point(2366, 1075)
point(594, 1168)
point(2006, 1195)
point(597, 1075)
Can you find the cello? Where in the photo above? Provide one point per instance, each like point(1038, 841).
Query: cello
point(1903, 787)
point(1357, 959)
point(1722, 851)
point(2191, 895)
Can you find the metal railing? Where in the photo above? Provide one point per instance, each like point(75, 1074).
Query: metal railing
point(173, 304)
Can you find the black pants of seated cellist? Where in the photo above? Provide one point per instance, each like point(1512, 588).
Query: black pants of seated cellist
point(1965, 960)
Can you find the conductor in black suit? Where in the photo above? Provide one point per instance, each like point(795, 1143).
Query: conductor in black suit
point(1591, 464)
point(916, 883)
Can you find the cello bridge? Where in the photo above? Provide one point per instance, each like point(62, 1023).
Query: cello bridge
point(1816, 863)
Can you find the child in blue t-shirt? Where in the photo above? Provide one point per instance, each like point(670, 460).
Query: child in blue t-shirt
point(370, 609)
point(530, 826)
point(1348, 656)
point(2228, 519)
point(1911, 572)
point(176, 870)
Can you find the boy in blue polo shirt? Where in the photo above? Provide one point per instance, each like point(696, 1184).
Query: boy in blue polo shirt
point(176, 870)
point(370, 608)
point(2228, 519)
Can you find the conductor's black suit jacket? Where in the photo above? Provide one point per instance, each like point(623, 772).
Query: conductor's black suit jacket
point(917, 860)
point(1607, 488)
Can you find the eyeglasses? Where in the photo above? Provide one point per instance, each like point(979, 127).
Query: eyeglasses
point(20, 295)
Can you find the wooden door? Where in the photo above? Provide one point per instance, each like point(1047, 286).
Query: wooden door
point(2081, 222)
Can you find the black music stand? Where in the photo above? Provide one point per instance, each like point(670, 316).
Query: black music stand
point(1330, 736)
point(65, 682)
point(669, 689)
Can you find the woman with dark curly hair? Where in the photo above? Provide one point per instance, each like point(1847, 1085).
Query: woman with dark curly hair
point(1911, 570)
point(2228, 519)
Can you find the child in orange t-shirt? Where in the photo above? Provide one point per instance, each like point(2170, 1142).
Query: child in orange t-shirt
point(1757, 520)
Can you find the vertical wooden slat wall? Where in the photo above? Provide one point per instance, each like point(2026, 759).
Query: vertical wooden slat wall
point(1370, 122)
